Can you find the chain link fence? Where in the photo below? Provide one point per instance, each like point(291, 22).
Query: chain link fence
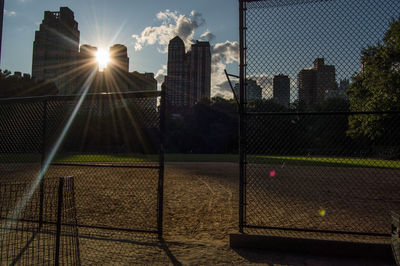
point(110, 143)
point(38, 224)
point(320, 116)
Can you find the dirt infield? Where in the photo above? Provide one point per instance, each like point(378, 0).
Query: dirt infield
point(200, 210)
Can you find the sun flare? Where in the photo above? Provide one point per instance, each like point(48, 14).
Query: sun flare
point(102, 57)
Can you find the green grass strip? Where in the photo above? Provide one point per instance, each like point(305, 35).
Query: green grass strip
point(325, 161)
point(179, 157)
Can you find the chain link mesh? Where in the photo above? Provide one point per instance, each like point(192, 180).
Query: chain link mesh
point(29, 223)
point(320, 157)
point(110, 144)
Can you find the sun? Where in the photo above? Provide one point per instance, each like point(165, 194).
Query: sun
point(102, 57)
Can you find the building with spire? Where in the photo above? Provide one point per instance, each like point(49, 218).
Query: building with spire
point(177, 79)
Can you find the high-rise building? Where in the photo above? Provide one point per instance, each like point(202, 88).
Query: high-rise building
point(55, 49)
point(118, 68)
point(281, 89)
point(1, 23)
point(119, 58)
point(253, 90)
point(85, 65)
point(315, 83)
point(188, 77)
point(177, 80)
point(200, 72)
point(87, 59)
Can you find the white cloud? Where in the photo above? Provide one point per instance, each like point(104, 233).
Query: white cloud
point(172, 24)
point(228, 51)
point(222, 54)
point(160, 75)
point(10, 13)
point(208, 36)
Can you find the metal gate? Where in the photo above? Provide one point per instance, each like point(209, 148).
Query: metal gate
point(319, 116)
point(112, 143)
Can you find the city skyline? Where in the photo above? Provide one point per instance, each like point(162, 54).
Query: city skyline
point(146, 35)
point(102, 24)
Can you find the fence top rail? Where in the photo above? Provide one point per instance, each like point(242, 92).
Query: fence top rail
point(280, 3)
point(89, 96)
point(324, 113)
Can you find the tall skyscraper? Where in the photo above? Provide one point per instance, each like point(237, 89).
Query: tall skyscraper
point(177, 80)
point(119, 58)
point(56, 48)
point(118, 68)
point(200, 72)
point(315, 83)
point(85, 65)
point(87, 58)
point(189, 74)
point(1, 23)
point(281, 89)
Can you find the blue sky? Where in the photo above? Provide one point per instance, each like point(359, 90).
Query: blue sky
point(104, 22)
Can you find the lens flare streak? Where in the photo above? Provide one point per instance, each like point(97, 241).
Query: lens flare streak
point(22, 203)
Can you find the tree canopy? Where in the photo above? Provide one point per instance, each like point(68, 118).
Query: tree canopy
point(377, 87)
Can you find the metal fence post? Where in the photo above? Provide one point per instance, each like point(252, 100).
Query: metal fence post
point(161, 165)
point(242, 119)
point(59, 216)
point(42, 162)
point(75, 215)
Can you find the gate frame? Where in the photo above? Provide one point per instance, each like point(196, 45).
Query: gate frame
point(242, 114)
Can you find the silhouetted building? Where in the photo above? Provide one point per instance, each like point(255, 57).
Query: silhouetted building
point(87, 55)
point(115, 77)
point(253, 91)
point(118, 68)
point(85, 65)
point(315, 83)
point(188, 77)
point(339, 92)
point(177, 80)
point(119, 58)
point(22, 85)
point(55, 49)
point(281, 89)
point(1, 23)
point(141, 81)
point(200, 72)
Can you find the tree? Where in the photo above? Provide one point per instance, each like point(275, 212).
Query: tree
point(24, 86)
point(377, 88)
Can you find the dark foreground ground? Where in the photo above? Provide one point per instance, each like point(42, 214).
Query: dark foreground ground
point(201, 209)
